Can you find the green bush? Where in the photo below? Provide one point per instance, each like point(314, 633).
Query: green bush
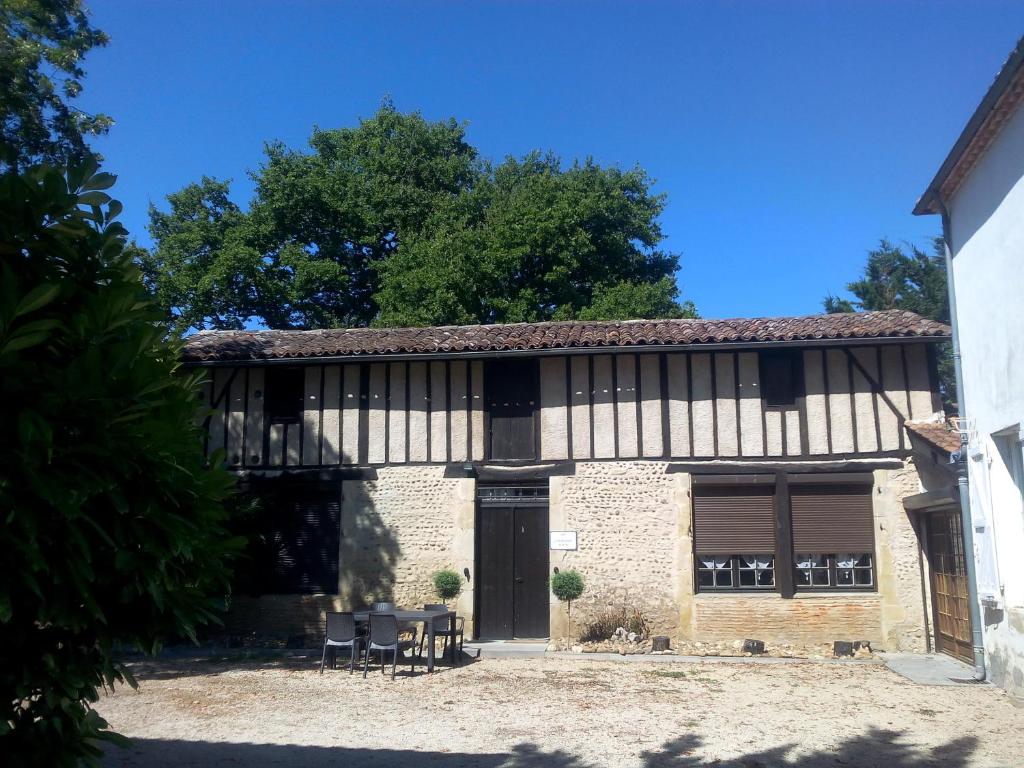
point(447, 584)
point(114, 526)
point(567, 586)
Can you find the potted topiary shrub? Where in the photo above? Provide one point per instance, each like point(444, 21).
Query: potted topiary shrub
point(447, 584)
point(567, 586)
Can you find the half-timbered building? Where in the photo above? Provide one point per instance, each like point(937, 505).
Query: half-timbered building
point(729, 479)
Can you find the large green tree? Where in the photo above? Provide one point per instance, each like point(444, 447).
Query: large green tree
point(398, 222)
point(911, 279)
point(42, 45)
point(114, 527)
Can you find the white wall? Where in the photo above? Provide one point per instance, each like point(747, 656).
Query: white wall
point(987, 233)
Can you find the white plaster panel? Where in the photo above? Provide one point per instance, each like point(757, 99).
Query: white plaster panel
point(418, 411)
point(604, 411)
point(864, 399)
point(840, 402)
point(236, 419)
point(221, 376)
point(725, 404)
point(275, 445)
point(254, 418)
point(702, 405)
point(476, 416)
point(817, 421)
point(650, 405)
point(920, 387)
point(460, 411)
point(581, 392)
point(895, 387)
point(350, 414)
point(376, 450)
point(291, 444)
point(625, 395)
point(438, 417)
point(554, 441)
point(331, 450)
point(678, 404)
point(311, 416)
point(396, 413)
point(752, 437)
point(773, 426)
point(792, 417)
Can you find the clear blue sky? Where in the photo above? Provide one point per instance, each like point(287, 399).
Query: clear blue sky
point(789, 136)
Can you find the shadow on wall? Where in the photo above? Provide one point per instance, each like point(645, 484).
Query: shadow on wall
point(316, 543)
point(369, 549)
point(879, 748)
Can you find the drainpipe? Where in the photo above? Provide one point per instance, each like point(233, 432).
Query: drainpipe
point(967, 523)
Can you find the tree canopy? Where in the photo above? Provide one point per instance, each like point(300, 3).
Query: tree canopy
point(42, 44)
point(896, 279)
point(115, 530)
point(398, 221)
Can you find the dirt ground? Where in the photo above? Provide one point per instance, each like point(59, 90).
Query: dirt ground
point(561, 712)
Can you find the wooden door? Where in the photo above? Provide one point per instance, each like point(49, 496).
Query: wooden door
point(512, 572)
point(511, 394)
point(531, 571)
point(950, 606)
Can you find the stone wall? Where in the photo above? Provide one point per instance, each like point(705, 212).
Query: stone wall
point(396, 531)
point(627, 518)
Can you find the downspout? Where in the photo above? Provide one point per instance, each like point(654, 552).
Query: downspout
point(967, 522)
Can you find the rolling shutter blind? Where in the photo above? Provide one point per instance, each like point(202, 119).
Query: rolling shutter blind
point(730, 521)
point(832, 518)
point(304, 538)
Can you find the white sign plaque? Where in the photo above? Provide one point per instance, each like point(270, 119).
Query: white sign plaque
point(563, 540)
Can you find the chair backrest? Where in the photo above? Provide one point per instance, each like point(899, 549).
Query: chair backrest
point(341, 626)
point(383, 629)
point(382, 607)
point(439, 622)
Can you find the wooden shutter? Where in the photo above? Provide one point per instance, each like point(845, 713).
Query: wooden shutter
point(304, 538)
point(728, 520)
point(512, 393)
point(832, 518)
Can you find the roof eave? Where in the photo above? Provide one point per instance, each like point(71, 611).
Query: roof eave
point(931, 200)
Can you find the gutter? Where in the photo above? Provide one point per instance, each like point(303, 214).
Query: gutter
point(632, 349)
point(960, 459)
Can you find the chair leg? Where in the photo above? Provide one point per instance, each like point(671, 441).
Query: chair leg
point(366, 662)
point(394, 661)
point(352, 656)
point(423, 639)
point(334, 657)
point(323, 658)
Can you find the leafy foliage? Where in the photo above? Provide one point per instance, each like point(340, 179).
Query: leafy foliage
point(604, 624)
point(114, 526)
point(916, 281)
point(567, 585)
point(398, 222)
point(447, 584)
point(42, 44)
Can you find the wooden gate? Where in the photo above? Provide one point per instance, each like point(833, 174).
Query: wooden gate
point(950, 606)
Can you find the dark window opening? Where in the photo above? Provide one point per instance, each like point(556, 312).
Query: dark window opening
point(294, 541)
point(511, 393)
point(283, 394)
point(736, 572)
point(781, 376)
point(844, 570)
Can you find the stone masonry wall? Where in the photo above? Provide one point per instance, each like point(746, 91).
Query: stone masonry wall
point(396, 531)
point(627, 518)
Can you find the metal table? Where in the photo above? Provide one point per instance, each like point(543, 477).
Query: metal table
point(427, 618)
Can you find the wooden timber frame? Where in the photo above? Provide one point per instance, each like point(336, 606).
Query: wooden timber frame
point(624, 404)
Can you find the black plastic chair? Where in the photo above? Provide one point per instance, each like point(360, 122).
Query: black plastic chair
point(442, 628)
point(384, 637)
point(341, 633)
point(403, 626)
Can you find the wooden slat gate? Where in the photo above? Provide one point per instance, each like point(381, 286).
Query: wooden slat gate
point(949, 584)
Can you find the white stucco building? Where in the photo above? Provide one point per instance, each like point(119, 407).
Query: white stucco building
point(979, 192)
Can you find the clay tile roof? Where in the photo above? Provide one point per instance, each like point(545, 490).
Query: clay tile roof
point(938, 434)
point(229, 346)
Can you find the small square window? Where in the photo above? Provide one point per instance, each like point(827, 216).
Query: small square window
point(845, 570)
point(716, 572)
point(781, 376)
point(283, 395)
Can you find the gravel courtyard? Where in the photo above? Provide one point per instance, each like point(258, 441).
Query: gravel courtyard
point(562, 712)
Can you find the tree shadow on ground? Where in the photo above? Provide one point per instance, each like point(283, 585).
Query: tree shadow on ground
point(876, 748)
